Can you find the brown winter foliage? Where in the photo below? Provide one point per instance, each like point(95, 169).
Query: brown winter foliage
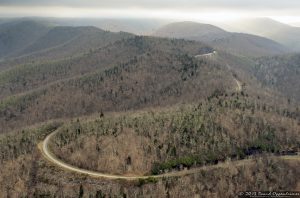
point(128, 104)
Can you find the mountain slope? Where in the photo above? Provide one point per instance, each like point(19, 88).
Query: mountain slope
point(33, 75)
point(57, 36)
point(248, 45)
point(202, 134)
point(160, 66)
point(15, 36)
point(281, 73)
point(282, 33)
point(63, 42)
point(72, 40)
point(115, 77)
point(243, 44)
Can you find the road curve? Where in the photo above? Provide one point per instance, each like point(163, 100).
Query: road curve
point(43, 146)
point(52, 158)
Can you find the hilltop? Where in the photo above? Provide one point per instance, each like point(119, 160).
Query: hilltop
point(236, 43)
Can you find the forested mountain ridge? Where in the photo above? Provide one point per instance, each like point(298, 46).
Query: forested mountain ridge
point(18, 35)
point(236, 43)
point(29, 76)
point(115, 78)
point(63, 42)
point(169, 74)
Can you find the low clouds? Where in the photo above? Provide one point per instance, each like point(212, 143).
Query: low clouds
point(162, 4)
point(287, 11)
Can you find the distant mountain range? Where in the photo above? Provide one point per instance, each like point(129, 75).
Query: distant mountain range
point(26, 36)
point(236, 43)
point(282, 33)
point(17, 36)
point(135, 26)
point(27, 40)
point(62, 41)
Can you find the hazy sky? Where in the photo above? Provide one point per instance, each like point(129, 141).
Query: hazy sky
point(215, 10)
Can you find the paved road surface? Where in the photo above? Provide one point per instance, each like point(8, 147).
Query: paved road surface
point(206, 55)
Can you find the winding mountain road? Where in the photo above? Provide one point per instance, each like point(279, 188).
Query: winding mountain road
point(212, 54)
point(43, 146)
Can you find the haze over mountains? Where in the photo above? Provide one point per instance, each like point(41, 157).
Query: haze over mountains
point(236, 43)
point(282, 33)
point(135, 26)
point(42, 37)
point(273, 37)
point(16, 36)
